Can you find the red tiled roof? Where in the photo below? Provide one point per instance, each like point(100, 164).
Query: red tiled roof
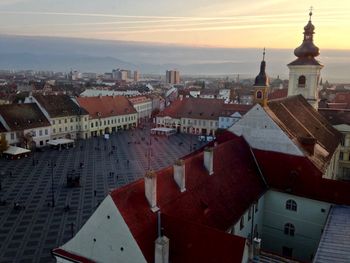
point(211, 201)
point(138, 99)
point(70, 256)
point(189, 243)
point(106, 106)
point(300, 120)
point(335, 116)
point(195, 108)
point(278, 94)
point(343, 98)
point(229, 109)
point(59, 105)
point(23, 116)
point(298, 176)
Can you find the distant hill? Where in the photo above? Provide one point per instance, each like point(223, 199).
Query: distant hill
point(63, 54)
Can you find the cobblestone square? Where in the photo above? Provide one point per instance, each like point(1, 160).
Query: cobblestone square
point(29, 231)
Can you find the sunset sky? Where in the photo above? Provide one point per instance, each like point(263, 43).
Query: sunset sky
point(220, 23)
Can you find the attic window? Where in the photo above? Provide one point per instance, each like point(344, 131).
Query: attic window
point(98, 114)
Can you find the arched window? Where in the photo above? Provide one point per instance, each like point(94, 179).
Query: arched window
point(291, 205)
point(301, 82)
point(289, 229)
point(259, 94)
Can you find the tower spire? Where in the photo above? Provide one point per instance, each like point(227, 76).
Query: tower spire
point(264, 55)
point(310, 13)
point(262, 80)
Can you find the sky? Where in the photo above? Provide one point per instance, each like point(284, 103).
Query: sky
point(220, 23)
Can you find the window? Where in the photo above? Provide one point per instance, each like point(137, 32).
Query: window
point(92, 125)
point(301, 82)
point(46, 132)
point(341, 156)
point(241, 223)
point(291, 205)
point(71, 128)
point(12, 136)
point(59, 121)
point(289, 229)
point(40, 133)
point(53, 122)
point(65, 120)
point(71, 119)
point(259, 94)
point(33, 133)
point(54, 130)
point(65, 128)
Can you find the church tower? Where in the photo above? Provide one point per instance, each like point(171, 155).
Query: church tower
point(304, 72)
point(261, 84)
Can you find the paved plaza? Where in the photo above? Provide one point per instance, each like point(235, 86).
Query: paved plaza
point(30, 229)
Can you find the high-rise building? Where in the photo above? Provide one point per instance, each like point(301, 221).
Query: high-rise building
point(136, 75)
point(172, 77)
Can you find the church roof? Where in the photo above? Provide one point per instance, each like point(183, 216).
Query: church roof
point(301, 122)
point(307, 51)
point(261, 79)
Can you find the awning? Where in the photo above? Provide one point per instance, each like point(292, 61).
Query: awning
point(60, 142)
point(13, 150)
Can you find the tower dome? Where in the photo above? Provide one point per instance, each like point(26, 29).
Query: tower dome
point(261, 79)
point(307, 49)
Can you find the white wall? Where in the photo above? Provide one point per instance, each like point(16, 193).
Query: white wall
point(111, 235)
point(261, 132)
point(308, 220)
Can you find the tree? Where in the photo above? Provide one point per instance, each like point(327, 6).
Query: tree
point(3, 143)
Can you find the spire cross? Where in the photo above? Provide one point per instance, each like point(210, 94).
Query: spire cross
point(310, 14)
point(264, 55)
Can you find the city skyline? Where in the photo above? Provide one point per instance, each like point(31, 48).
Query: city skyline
point(273, 23)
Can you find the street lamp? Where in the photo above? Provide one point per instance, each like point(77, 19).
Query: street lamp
point(52, 165)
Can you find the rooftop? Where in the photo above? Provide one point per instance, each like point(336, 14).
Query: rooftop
point(106, 106)
point(335, 241)
point(59, 105)
point(23, 116)
point(194, 108)
point(300, 121)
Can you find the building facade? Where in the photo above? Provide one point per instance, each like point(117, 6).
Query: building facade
point(108, 114)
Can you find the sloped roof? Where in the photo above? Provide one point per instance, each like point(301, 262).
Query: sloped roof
point(278, 94)
point(106, 106)
point(215, 201)
point(300, 120)
point(139, 99)
point(335, 116)
point(23, 116)
point(298, 176)
point(189, 242)
point(229, 109)
point(194, 108)
point(59, 105)
point(335, 241)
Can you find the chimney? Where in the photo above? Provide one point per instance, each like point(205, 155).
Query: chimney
point(179, 175)
point(151, 189)
point(308, 143)
point(161, 248)
point(208, 159)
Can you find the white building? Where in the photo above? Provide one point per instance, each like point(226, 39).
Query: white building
point(67, 119)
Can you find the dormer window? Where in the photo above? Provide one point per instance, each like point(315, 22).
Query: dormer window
point(301, 82)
